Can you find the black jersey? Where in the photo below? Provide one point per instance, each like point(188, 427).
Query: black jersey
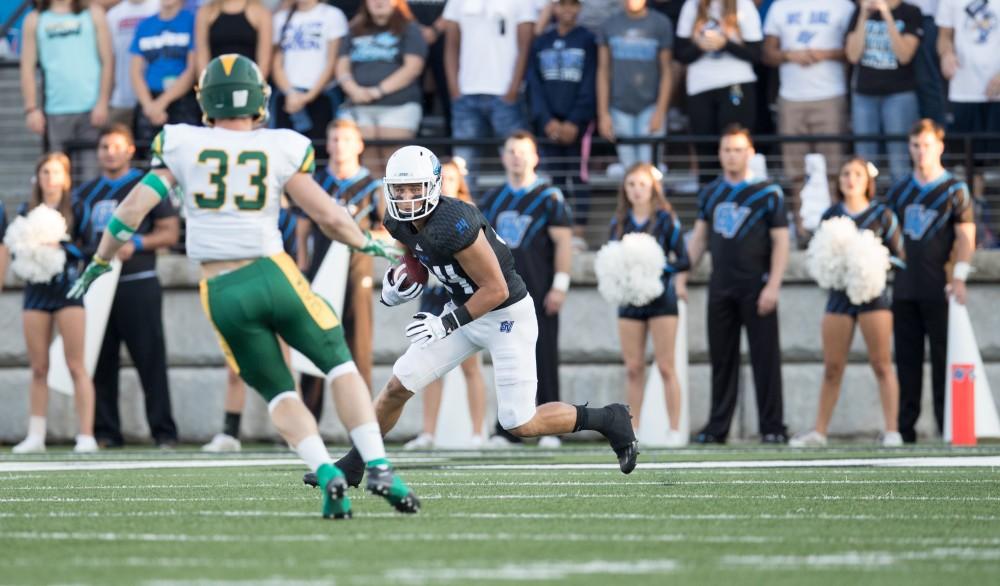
point(287, 220)
point(93, 205)
point(666, 229)
point(740, 217)
point(521, 217)
point(928, 214)
point(878, 218)
point(452, 227)
point(360, 194)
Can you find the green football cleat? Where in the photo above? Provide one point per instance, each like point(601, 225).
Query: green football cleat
point(336, 504)
point(383, 482)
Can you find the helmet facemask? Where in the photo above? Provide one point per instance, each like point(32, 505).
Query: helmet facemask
point(413, 208)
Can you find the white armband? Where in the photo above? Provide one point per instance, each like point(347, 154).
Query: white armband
point(561, 282)
point(962, 271)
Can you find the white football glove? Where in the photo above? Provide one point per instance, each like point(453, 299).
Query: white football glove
point(391, 293)
point(427, 329)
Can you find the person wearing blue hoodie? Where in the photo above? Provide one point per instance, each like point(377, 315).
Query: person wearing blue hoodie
point(562, 70)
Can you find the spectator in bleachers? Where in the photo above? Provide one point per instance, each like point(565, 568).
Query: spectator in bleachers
point(163, 71)
point(969, 44)
point(720, 41)
point(532, 217)
point(634, 79)
point(123, 20)
point(594, 13)
point(882, 44)
point(243, 27)
point(855, 200)
point(742, 222)
point(935, 208)
point(379, 68)
point(643, 208)
point(355, 187)
point(486, 55)
point(307, 37)
point(930, 82)
point(433, 300)
point(561, 75)
point(429, 13)
point(72, 45)
point(807, 42)
point(46, 309)
point(138, 296)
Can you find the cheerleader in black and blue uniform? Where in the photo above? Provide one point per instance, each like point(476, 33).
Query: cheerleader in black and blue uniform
point(856, 193)
point(45, 306)
point(643, 207)
point(433, 301)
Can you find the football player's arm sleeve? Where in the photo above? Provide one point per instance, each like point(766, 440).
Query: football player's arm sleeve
point(481, 264)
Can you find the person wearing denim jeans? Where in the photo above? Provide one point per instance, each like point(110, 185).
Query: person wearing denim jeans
point(486, 54)
point(882, 44)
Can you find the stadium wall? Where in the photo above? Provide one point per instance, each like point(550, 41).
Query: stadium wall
point(590, 360)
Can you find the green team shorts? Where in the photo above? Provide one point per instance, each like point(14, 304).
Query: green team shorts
point(270, 297)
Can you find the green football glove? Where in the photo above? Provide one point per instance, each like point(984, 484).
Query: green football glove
point(375, 247)
point(97, 267)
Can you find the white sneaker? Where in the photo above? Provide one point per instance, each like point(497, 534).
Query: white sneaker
point(812, 439)
point(222, 443)
point(499, 442)
point(424, 441)
point(891, 439)
point(549, 442)
point(31, 445)
point(676, 439)
point(85, 444)
point(477, 442)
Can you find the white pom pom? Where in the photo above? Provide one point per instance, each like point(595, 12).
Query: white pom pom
point(828, 257)
point(34, 243)
point(629, 271)
point(866, 274)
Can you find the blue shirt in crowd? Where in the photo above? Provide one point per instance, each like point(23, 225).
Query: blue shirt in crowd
point(165, 45)
point(561, 77)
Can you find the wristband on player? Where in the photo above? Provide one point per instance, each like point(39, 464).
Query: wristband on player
point(961, 271)
point(456, 319)
point(119, 230)
point(156, 183)
point(561, 282)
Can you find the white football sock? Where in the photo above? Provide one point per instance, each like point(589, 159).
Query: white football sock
point(313, 451)
point(367, 439)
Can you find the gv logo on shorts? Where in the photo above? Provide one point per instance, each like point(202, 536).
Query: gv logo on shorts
point(728, 218)
point(918, 220)
point(506, 326)
point(511, 226)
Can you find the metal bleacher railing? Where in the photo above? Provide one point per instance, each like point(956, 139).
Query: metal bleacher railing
point(678, 154)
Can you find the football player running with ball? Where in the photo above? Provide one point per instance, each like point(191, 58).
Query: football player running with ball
point(489, 309)
point(233, 176)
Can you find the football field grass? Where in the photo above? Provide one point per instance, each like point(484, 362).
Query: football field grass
point(751, 515)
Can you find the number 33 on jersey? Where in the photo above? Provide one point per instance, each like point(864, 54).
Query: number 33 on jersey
point(232, 182)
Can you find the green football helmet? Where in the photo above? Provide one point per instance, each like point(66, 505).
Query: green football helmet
point(231, 86)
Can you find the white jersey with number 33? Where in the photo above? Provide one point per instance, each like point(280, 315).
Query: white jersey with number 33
point(232, 182)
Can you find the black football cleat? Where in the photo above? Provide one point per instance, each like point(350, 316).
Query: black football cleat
point(310, 479)
point(622, 437)
point(353, 467)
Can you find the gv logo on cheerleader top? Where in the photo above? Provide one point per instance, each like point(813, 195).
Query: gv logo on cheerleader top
point(728, 217)
point(918, 220)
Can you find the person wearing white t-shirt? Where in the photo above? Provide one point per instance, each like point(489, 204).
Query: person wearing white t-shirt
point(487, 43)
point(720, 42)
point(969, 45)
point(930, 81)
point(308, 40)
point(805, 40)
point(122, 22)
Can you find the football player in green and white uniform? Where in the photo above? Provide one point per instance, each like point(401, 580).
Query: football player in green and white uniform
point(233, 175)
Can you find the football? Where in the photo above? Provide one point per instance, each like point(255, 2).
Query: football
point(415, 271)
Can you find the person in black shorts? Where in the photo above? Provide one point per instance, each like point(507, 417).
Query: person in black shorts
point(742, 222)
point(856, 194)
point(936, 211)
point(433, 301)
point(643, 208)
point(45, 306)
